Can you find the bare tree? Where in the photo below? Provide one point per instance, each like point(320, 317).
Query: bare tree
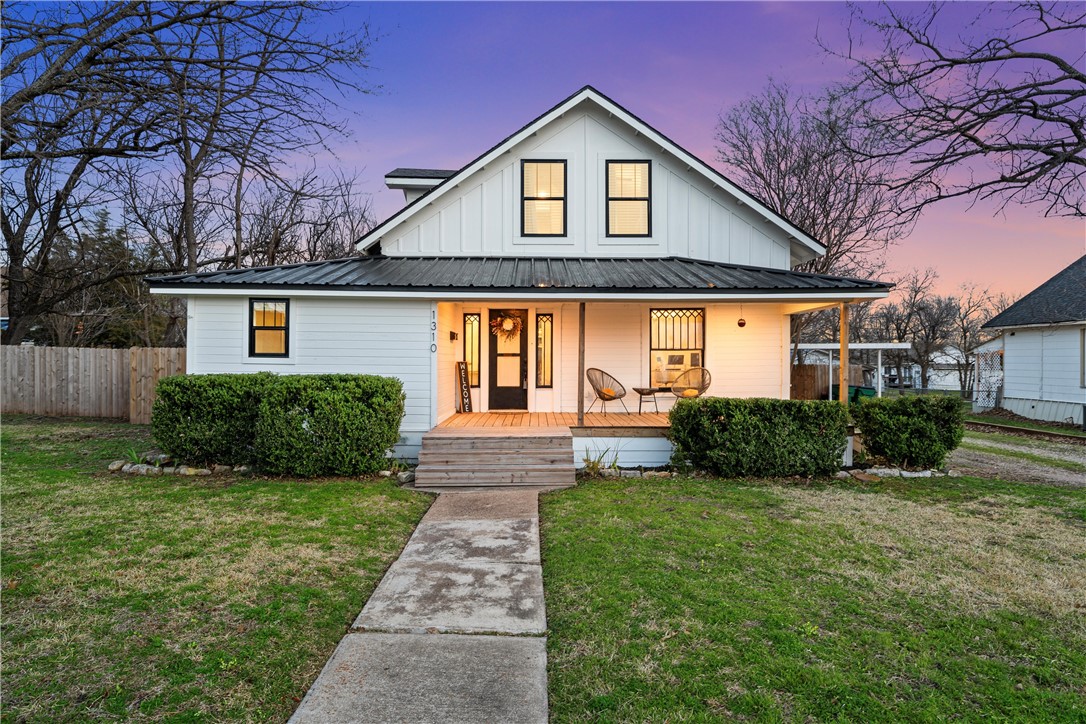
point(973, 307)
point(933, 326)
point(1001, 116)
point(95, 94)
point(895, 321)
point(794, 153)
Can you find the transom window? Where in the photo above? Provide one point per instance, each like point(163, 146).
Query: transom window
point(629, 192)
point(676, 343)
point(543, 202)
point(268, 327)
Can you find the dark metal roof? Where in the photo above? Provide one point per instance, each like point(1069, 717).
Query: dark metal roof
point(521, 274)
point(1061, 299)
point(434, 173)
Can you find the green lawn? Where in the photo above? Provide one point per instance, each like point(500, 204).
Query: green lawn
point(905, 600)
point(179, 599)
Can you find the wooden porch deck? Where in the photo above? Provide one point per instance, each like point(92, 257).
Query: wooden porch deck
point(466, 420)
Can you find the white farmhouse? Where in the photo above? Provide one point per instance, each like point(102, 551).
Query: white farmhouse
point(1044, 349)
point(585, 240)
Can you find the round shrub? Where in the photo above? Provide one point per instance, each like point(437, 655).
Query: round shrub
point(208, 418)
point(759, 436)
point(312, 425)
point(914, 431)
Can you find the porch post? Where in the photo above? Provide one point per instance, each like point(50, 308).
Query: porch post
point(878, 375)
point(580, 365)
point(842, 386)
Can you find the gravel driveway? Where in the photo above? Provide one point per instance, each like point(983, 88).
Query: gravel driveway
point(1000, 463)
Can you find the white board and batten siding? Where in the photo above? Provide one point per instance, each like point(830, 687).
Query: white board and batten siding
point(391, 338)
point(690, 217)
point(1043, 372)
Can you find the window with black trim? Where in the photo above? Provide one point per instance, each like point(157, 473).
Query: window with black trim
point(629, 198)
point(269, 327)
point(471, 347)
point(676, 343)
point(544, 350)
point(543, 198)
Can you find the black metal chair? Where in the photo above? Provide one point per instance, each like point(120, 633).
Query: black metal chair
point(692, 383)
point(606, 387)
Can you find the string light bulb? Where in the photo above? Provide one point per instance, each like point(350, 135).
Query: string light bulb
point(742, 322)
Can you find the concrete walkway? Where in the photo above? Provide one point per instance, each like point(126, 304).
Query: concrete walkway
point(454, 631)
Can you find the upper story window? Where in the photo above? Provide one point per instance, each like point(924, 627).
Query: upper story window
point(629, 192)
point(543, 202)
point(268, 327)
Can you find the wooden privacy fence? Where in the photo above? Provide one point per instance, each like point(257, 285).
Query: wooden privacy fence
point(85, 382)
point(812, 382)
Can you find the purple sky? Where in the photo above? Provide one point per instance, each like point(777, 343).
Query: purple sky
point(458, 77)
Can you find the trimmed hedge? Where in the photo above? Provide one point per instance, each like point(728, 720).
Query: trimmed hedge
point(209, 418)
point(759, 436)
point(914, 431)
point(293, 424)
point(329, 424)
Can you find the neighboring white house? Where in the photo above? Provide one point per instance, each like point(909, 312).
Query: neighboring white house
point(586, 210)
point(1044, 349)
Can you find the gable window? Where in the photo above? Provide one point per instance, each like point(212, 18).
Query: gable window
point(543, 198)
point(544, 350)
point(629, 192)
point(268, 327)
point(676, 343)
point(471, 347)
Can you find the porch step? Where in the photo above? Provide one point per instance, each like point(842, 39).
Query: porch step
point(506, 456)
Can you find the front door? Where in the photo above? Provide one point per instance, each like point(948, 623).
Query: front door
point(508, 359)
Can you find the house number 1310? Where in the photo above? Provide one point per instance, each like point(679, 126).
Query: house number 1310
point(433, 331)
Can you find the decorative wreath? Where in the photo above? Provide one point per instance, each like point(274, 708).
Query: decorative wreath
point(506, 326)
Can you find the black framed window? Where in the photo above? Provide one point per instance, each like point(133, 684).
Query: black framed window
point(269, 327)
point(471, 346)
point(676, 343)
point(543, 198)
point(544, 350)
point(629, 198)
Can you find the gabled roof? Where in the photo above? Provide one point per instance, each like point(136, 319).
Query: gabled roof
point(1061, 299)
point(426, 274)
point(588, 93)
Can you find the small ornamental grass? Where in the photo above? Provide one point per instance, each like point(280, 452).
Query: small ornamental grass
point(305, 425)
point(759, 437)
point(911, 431)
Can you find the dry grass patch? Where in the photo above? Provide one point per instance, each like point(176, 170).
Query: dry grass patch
point(990, 553)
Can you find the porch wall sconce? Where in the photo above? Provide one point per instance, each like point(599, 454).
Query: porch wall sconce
point(742, 322)
point(453, 336)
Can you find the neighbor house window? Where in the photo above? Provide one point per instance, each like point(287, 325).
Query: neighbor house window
point(471, 347)
point(543, 202)
point(268, 327)
point(629, 191)
point(544, 350)
point(676, 343)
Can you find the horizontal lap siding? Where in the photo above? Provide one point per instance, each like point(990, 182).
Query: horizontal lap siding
point(744, 362)
point(1044, 364)
point(390, 338)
